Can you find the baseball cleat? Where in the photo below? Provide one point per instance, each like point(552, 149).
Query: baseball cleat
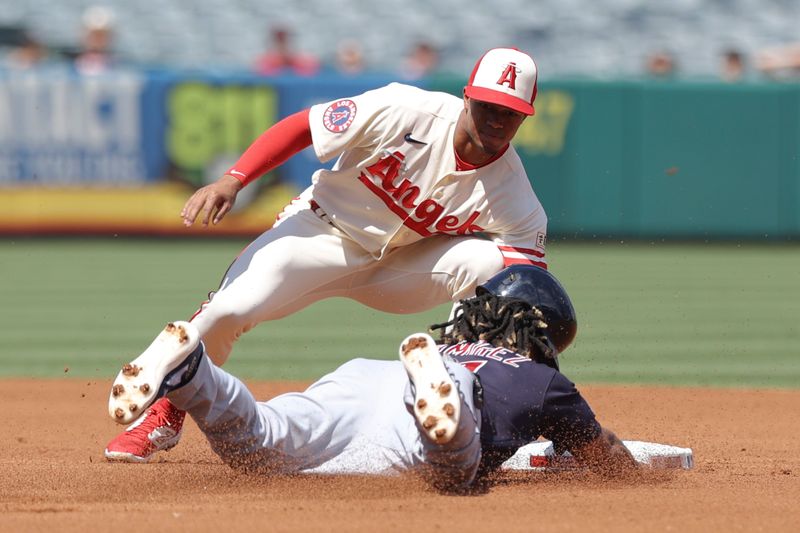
point(167, 364)
point(437, 405)
point(158, 429)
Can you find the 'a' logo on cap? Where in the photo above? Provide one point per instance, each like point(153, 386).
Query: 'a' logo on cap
point(509, 76)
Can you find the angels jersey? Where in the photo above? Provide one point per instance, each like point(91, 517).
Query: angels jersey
point(395, 181)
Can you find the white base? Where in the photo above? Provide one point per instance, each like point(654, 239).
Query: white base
point(540, 456)
point(361, 457)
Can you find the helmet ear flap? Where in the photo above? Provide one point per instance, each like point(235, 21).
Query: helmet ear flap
point(546, 352)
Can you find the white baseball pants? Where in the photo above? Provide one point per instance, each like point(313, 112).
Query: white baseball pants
point(304, 259)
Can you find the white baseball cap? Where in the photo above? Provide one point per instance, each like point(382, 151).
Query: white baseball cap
point(506, 77)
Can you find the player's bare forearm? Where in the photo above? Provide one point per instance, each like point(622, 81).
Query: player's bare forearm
point(211, 202)
point(606, 455)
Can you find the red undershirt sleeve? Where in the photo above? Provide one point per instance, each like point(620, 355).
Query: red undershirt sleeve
point(273, 147)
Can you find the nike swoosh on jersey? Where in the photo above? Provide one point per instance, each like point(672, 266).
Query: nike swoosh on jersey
point(412, 140)
point(237, 172)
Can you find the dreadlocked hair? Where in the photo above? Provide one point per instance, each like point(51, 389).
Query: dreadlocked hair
point(504, 322)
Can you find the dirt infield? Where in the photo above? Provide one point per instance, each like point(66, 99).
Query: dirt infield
point(746, 476)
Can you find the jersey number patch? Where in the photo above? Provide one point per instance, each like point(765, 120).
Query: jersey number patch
point(473, 366)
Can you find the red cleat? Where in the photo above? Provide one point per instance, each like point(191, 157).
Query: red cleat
point(159, 429)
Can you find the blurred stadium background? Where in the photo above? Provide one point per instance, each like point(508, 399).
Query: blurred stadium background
point(664, 148)
point(605, 38)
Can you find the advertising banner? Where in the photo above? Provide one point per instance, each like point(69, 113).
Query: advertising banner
point(120, 153)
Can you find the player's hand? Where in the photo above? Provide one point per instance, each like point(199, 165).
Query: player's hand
point(211, 202)
point(606, 455)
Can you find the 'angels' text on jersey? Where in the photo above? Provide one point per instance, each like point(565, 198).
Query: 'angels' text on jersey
point(402, 199)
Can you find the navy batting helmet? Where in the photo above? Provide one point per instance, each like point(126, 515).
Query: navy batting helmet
point(540, 289)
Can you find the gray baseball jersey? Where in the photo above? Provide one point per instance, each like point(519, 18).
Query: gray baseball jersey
point(358, 419)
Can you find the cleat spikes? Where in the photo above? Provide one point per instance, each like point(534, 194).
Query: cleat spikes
point(178, 331)
point(436, 403)
point(167, 363)
point(130, 370)
point(414, 343)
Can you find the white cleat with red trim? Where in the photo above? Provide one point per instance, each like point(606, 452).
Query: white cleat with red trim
point(167, 364)
point(437, 405)
point(138, 392)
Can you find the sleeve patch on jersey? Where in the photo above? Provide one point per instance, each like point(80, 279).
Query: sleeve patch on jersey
point(541, 240)
point(339, 115)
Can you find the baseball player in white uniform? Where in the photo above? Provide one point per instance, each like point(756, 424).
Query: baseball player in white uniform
point(426, 200)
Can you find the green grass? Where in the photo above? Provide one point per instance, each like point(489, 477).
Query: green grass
point(718, 315)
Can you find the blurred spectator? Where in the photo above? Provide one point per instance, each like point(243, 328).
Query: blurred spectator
point(30, 53)
point(281, 58)
point(422, 61)
point(660, 65)
point(780, 62)
point(732, 68)
point(350, 57)
point(96, 54)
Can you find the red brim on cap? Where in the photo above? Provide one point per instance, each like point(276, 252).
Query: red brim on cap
point(496, 97)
